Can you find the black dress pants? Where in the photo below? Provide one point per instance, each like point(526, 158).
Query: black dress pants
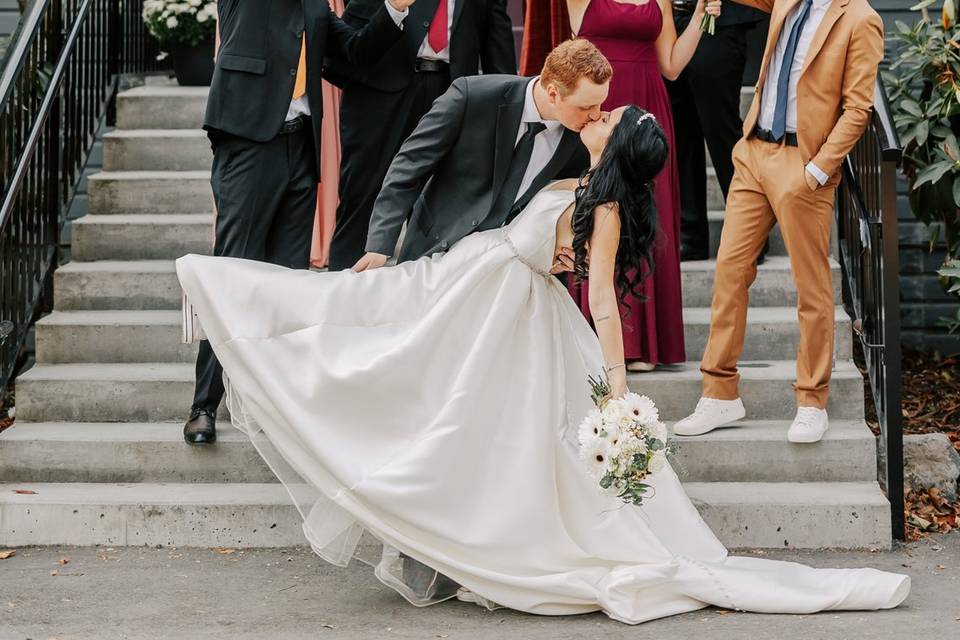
point(373, 126)
point(706, 106)
point(266, 197)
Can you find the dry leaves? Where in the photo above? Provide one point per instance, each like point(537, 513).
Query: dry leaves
point(225, 550)
point(25, 492)
point(928, 512)
point(7, 554)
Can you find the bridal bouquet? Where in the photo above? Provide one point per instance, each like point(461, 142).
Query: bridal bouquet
point(623, 441)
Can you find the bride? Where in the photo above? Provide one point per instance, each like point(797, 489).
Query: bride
point(435, 405)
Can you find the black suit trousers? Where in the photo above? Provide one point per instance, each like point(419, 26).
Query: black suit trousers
point(266, 197)
point(706, 106)
point(373, 125)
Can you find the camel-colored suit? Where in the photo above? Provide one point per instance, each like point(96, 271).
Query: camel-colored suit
point(834, 103)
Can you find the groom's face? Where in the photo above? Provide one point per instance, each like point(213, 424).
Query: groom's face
point(581, 106)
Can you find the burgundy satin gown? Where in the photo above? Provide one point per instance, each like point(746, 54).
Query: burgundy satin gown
point(625, 33)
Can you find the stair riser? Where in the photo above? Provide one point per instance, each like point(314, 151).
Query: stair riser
point(161, 291)
point(237, 461)
point(770, 289)
point(161, 111)
point(146, 524)
point(74, 291)
point(185, 195)
point(157, 153)
point(737, 526)
point(777, 248)
point(105, 241)
point(166, 401)
point(69, 343)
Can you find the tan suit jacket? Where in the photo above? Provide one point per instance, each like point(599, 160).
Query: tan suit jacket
point(837, 84)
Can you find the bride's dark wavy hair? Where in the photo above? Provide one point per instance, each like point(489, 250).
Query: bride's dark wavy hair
point(635, 153)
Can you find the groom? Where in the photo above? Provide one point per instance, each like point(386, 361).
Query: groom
point(263, 120)
point(448, 180)
point(812, 104)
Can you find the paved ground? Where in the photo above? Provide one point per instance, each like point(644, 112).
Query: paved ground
point(105, 594)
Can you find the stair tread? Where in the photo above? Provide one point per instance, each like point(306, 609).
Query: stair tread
point(176, 371)
point(155, 133)
point(154, 91)
point(120, 266)
point(147, 218)
point(195, 174)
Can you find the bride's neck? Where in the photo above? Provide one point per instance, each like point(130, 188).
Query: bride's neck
point(594, 160)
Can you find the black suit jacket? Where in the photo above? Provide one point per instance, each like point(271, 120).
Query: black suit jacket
point(447, 175)
point(481, 37)
point(259, 51)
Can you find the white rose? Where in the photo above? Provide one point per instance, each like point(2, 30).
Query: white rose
point(172, 22)
point(613, 410)
point(659, 431)
point(657, 462)
point(202, 17)
point(195, 3)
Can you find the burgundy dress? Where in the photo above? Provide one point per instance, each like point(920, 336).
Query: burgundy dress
point(625, 33)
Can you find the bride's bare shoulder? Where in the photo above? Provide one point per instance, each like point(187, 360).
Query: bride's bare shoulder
point(564, 185)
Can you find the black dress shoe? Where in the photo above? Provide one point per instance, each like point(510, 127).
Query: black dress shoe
point(201, 428)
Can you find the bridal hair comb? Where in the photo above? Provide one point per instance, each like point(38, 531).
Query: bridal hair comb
point(646, 116)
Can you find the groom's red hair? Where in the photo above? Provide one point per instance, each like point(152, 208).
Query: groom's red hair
point(572, 60)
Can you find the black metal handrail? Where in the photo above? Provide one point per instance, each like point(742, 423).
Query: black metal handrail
point(56, 91)
point(869, 254)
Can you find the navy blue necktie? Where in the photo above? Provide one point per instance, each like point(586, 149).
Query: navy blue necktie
point(786, 65)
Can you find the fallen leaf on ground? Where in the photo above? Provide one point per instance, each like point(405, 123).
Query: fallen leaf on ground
point(54, 572)
point(225, 550)
point(25, 492)
point(7, 554)
point(64, 560)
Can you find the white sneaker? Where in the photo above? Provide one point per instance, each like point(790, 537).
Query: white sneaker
point(709, 415)
point(809, 425)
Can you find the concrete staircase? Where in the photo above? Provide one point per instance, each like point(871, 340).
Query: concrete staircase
point(98, 436)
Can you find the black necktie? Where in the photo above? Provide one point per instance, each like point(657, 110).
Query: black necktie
point(518, 167)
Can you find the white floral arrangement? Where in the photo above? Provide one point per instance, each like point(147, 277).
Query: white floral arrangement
point(622, 442)
point(185, 21)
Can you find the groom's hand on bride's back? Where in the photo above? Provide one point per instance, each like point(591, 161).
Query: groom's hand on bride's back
point(370, 261)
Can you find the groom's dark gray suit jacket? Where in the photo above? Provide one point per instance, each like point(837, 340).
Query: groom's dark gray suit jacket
point(447, 175)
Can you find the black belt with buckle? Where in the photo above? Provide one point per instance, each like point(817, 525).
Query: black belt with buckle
point(684, 7)
point(292, 126)
point(764, 134)
point(424, 65)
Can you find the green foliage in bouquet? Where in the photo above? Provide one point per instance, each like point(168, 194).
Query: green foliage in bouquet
point(924, 86)
point(187, 22)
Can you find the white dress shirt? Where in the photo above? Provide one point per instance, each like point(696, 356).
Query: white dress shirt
point(544, 145)
point(768, 101)
point(301, 107)
point(426, 51)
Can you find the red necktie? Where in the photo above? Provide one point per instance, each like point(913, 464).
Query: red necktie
point(437, 36)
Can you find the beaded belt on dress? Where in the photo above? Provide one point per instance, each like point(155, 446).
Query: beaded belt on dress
point(516, 254)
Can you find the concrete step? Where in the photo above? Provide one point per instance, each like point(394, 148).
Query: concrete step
point(715, 200)
point(715, 220)
point(161, 392)
point(155, 452)
point(157, 150)
point(116, 284)
point(161, 107)
point(773, 287)
point(150, 192)
point(112, 336)
point(142, 237)
point(772, 515)
point(152, 284)
point(154, 336)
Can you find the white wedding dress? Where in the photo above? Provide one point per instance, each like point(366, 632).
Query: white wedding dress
point(435, 405)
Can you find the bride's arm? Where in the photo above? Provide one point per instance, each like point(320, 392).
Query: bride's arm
point(604, 308)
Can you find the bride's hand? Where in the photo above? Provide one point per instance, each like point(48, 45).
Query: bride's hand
point(563, 261)
point(370, 261)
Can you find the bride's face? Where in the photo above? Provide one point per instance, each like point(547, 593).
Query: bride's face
point(596, 134)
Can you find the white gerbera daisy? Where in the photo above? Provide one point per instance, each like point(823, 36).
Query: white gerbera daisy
point(595, 454)
point(640, 408)
point(590, 427)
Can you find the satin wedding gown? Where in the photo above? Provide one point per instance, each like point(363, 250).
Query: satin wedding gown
point(435, 405)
